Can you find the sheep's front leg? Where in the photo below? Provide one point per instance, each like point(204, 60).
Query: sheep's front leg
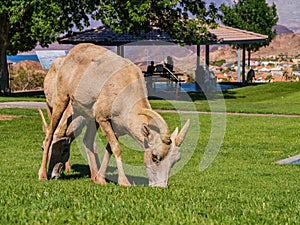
point(116, 150)
point(61, 130)
point(57, 113)
point(92, 154)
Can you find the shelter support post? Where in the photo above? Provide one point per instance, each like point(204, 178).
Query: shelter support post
point(200, 72)
point(198, 56)
point(207, 56)
point(249, 57)
point(120, 50)
point(244, 64)
point(239, 65)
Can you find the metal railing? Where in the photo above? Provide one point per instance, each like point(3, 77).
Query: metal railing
point(172, 74)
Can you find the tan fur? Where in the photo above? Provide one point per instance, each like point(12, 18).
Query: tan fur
point(50, 83)
point(94, 82)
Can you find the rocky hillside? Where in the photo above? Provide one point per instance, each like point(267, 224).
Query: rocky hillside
point(280, 29)
point(288, 44)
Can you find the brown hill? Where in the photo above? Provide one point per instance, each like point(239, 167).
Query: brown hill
point(288, 44)
point(28, 65)
point(26, 75)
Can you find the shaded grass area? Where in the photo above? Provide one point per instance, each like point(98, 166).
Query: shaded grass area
point(242, 185)
point(31, 96)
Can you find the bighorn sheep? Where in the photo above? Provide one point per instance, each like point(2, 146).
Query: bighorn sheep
point(109, 92)
point(62, 137)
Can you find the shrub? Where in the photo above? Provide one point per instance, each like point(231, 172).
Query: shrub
point(218, 63)
point(26, 79)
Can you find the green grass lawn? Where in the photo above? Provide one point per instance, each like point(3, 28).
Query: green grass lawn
point(277, 98)
point(241, 186)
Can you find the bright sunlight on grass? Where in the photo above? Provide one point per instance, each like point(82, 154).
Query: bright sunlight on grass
point(241, 186)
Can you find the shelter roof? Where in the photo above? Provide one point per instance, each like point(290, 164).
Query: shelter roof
point(104, 36)
point(229, 35)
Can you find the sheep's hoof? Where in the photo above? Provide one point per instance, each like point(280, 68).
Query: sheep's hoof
point(42, 174)
point(68, 166)
point(99, 180)
point(124, 182)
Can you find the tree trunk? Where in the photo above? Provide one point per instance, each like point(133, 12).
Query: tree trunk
point(4, 76)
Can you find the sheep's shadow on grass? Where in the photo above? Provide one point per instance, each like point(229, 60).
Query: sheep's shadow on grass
point(80, 171)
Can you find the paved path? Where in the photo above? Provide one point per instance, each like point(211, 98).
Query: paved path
point(26, 105)
point(42, 105)
point(229, 113)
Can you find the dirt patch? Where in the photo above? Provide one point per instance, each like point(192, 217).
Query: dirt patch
point(7, 117)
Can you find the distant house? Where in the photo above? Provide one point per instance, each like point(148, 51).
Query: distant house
point(221, 77)
point(262, 78)
point(254, 63)
point(264, 63)
point(296, 73)
point(264, 69)
point(230, 65)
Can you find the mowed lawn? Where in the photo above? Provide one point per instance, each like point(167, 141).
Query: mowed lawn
point(243, 185)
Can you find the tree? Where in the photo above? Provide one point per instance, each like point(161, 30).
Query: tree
point(252, 15)
point(26, 23)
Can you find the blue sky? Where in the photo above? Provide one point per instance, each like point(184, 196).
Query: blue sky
point(288, 11)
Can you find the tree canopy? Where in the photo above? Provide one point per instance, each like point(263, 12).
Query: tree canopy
point(174, 17)
point(26, 23)
point(251, 15)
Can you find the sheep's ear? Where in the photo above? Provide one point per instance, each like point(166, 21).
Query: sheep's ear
point(145, 130)
point(179, 139)
point(148, 137)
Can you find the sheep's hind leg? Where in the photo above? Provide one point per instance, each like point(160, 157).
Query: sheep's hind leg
point(106, 158)
point(92, 154)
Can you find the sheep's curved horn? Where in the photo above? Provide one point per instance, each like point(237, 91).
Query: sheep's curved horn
point(45, 125)
point(162, 125)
